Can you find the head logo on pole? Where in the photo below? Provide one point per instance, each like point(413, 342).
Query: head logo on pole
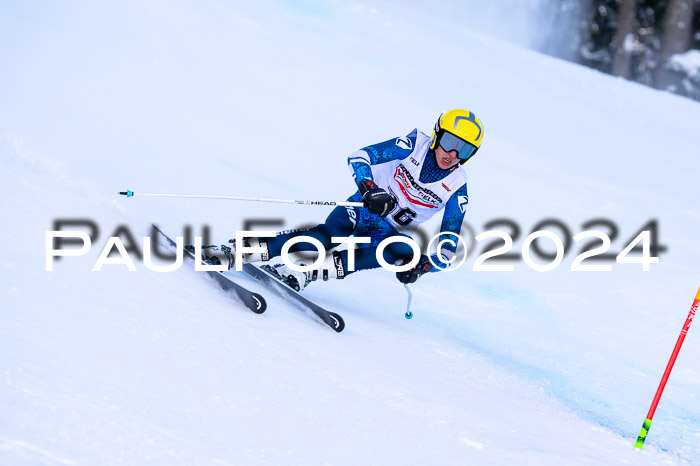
point(647, 422)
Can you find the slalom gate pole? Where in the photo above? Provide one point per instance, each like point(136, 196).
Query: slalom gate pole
point(129, 193)
point(647, 422)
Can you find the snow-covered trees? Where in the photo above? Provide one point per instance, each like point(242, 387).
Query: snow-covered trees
point(648, 41)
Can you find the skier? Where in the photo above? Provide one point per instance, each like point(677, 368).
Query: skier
point(402, 182)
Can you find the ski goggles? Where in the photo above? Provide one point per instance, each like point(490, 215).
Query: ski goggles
point(450, 142)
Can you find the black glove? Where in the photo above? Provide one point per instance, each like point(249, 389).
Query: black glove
point(376, 199)
point(410, 276)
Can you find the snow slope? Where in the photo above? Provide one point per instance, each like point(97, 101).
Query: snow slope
point(519, 367)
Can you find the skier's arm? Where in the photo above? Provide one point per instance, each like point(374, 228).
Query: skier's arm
point(360, 161)
point(451, 222)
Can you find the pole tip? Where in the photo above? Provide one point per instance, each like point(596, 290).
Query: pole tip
point(126, 193)
point(643, 434)
point(409, 315)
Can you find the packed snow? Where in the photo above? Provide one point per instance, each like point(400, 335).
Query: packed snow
point(268, 99)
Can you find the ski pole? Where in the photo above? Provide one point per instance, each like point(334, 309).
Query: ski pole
point(408, 314)
point(129, 193)
point(647, 422)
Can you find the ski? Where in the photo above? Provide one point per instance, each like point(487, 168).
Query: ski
point(331, 319)
point(253, 301)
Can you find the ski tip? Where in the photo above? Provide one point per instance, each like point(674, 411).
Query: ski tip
point(409, 315)
point(127, 193)
point(338, 323)
point(260, 303)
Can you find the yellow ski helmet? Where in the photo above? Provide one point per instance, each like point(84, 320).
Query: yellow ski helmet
point(458, 130)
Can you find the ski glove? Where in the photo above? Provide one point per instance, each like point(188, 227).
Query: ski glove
point(410, 276)
point(376, 199)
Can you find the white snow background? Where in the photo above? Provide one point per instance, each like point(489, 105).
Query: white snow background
point(268, 99)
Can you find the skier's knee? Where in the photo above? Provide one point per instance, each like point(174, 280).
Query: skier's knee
point(398, 252)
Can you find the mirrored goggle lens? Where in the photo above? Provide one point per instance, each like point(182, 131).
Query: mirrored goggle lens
point(449, 141)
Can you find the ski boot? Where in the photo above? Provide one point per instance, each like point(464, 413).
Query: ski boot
point(213, 255)
point(219, 255)
point(332, 267)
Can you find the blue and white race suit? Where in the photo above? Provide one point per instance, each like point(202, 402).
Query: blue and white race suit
point(406, 168)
